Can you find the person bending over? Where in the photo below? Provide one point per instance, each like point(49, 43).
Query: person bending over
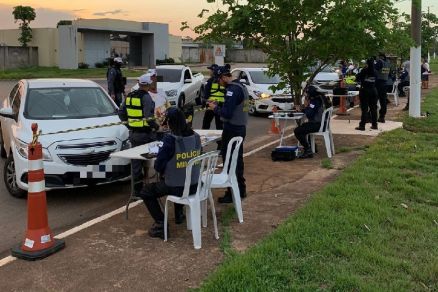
point(181, 145)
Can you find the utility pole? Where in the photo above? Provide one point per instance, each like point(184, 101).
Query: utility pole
point(415, 72)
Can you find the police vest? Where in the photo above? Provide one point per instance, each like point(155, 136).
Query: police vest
point(217, 93)
point(240, 114)
point(350, 80)
point(134, 111)
point(186, 148)
point(383, 73)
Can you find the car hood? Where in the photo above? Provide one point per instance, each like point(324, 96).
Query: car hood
point(265, 88)
point(49, 126)
point(326, 77)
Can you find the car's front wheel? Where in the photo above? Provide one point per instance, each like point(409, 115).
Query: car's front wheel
point(11, 179)
point(252, 110)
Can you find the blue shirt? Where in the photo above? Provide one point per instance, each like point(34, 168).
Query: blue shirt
point(312, 109)
point(233, 97)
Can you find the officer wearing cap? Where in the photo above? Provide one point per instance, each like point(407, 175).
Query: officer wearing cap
point(138, 110)
point(314, 107)
point(383, 68)
point(213, 92)
point(234, 114)
point(179, 146)
point(368, 95)
point(116, 82)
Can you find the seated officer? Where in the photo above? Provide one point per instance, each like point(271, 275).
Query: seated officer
point(181, 145)
point(314, 107)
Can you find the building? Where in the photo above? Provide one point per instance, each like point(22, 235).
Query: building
point(91, 41)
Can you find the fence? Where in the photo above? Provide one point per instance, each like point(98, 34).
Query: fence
point(205, 55)
point(18, 57)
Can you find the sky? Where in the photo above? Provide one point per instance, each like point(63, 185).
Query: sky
point(173, 12)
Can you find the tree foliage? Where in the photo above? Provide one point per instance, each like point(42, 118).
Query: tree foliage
point(24, 14)
point(429, 32)
point(297, 34)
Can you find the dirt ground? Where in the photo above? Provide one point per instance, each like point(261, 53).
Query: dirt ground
point(117, 254)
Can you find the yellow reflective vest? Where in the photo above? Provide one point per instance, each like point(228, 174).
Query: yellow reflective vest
point(217, 93)
point(134, 111)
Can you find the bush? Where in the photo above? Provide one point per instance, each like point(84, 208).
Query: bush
point(83, 66)
point(99, 65)
point(165, 61)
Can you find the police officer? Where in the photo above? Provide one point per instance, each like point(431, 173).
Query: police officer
point(213, 92)
point(116, 82)
point(138, 110)
point(383, 68)
point(181, 145)
point(314, 108)
point(234, 114)
point(368, 95)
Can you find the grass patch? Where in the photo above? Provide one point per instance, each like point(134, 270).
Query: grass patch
point(55, 72)
point(327, 163)
point(374, 229)
point(347, 149)
point(427, 124)
point(225, 241)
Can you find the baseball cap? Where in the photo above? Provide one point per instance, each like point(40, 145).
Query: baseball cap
point(118, 60)
point(145, 79)
point(223, 70)
point(213, 67)
point(153, 72)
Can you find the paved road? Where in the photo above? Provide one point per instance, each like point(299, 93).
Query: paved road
point(68, 208)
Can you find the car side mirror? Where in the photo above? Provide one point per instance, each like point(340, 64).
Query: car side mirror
point(7, 112)
point(187, 80)
point(244, 81)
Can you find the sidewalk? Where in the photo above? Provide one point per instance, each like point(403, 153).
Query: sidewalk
point(117, 254)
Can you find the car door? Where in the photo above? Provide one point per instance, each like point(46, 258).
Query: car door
point(9, 125)
point(189, 88)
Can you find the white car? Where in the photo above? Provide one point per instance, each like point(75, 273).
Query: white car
point(327, 79)
point(71, 159)
point(262, 98)
point(179, 85)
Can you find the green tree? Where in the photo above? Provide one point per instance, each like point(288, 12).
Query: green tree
point(25, 14)
point(429, 32)
point(399, 39)
point(297, 34)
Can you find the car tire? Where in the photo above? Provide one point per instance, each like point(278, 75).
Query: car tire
point(252, 111)
point(181, 101)
point(10, 179)
point(198, 99)
point(2, 145)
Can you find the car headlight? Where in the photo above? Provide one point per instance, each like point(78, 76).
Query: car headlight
point(261, 95)
point(172, 92)
point(22, 150)
point(265, 95)
point(126, 144)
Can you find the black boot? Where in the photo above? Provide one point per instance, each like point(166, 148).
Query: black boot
point(374, 127)
point(360, 128)
point(179, 214)
point(381, 120)
point(226, 199)
point(157, 230)
point(307, 154)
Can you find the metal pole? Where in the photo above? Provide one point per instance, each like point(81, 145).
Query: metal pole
point(415, 71)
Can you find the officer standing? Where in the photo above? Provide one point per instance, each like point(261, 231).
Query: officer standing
point(181, 145)
point(116, 82)
point(234, 114)
point(383, 69)
point(138, 110)
point(368, 95)
point(213, 92)
point(314, 108)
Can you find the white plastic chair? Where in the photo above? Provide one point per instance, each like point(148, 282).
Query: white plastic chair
point(394, 92)
point(326, 132)
point(193, 202)
point(228, 179)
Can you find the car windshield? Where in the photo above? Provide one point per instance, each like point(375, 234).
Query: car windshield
point(169, 75)
point(67, 103)
point(327, 68)
point(262, 77)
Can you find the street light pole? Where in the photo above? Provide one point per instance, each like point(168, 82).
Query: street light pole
point(415, 71)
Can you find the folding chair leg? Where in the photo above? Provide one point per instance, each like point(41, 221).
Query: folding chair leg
point(332, 145)
point(189, 217)
point(195, 214)
point(327, 144)
point(165, 219)
point(237, 201)
point(204, 213)
point(312, 142)
point(213, 215)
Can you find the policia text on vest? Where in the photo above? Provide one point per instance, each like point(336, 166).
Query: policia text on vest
point(183, 158)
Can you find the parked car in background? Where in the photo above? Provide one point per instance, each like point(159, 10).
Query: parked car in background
point(179, 84)
point(262, 97)
point(327, 79)
point(71, 159)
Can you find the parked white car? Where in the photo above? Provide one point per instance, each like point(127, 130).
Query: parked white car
point(327, 79)
point(73, 159)
point(262, 98)
point(179, 84)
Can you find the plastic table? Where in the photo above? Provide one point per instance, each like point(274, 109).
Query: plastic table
point(342, 108)
point(285, 117)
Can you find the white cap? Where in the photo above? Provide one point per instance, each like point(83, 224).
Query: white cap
point(152, 72)
point(145, 79)
point(118, 60)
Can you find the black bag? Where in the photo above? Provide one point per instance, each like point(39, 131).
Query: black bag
point(284, 153)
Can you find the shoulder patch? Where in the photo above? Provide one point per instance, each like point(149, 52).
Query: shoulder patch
point(312, 105)
point(229, 93)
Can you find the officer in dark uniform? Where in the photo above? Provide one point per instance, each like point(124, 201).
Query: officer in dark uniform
point(213, 92)
point(383, 68)
point(138, 110)
point(181, 145)
point(368, 95)
point(234, 114)
point(314, 108)
point(116, 82)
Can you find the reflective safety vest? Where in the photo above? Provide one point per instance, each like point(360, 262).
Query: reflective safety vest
point(134, 111)
point(186, 148)
point(217, 93)
point(383, 74)
point(350, 80)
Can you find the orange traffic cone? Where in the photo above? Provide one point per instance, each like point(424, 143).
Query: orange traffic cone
point(39, 242)
point(275, 128)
